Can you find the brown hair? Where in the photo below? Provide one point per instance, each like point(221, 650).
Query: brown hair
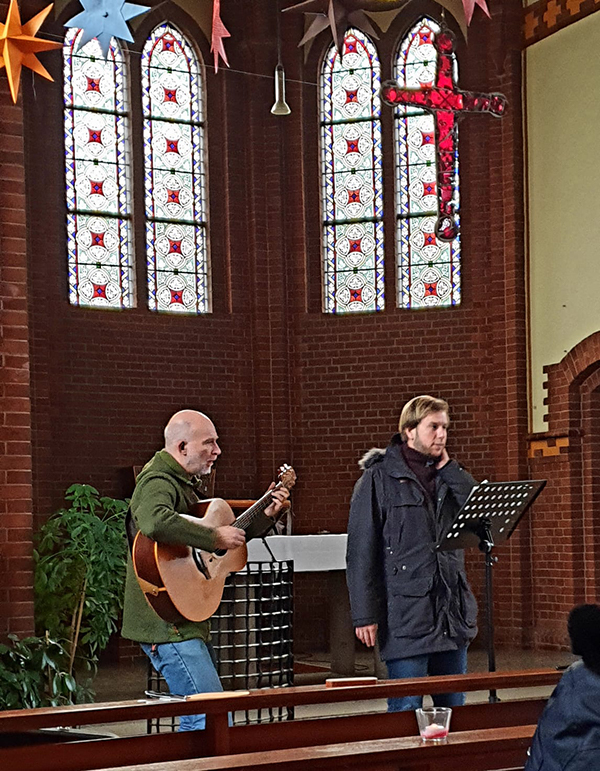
point(418, 408)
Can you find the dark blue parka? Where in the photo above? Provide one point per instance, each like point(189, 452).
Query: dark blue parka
point(568, 733)
point(419, 597)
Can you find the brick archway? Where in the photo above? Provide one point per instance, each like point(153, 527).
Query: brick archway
point(565, 381)
point(565, 523)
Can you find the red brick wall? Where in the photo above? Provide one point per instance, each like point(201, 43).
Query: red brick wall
point(282, 380)
point(565, 528)
point(15, 407)
point(354, 373)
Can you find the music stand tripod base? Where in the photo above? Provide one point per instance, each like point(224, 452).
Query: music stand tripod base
point(488, 517)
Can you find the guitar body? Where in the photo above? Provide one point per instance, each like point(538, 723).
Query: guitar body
point(178, 580)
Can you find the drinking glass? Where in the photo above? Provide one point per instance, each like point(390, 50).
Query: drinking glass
point(434, 723)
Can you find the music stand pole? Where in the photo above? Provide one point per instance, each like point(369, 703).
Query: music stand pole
point(486, 544)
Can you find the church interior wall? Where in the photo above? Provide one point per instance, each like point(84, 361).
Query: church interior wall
point(562, 120)
point(282, 380)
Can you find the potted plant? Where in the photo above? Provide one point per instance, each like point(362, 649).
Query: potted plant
point(33, 674)
point(80, 576)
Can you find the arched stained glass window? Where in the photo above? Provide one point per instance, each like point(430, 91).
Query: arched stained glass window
point(428, 268)
point(351, 166)
point(175, 174)
point(98, 181)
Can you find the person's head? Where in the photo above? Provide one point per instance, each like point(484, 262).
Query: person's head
point(584, 630)
point(424, 425)
point(191, 438)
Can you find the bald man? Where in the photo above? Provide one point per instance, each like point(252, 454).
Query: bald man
point(165, 488)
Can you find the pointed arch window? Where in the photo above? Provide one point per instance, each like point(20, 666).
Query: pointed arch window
point(428, 268)
point(351, 173)
point(175, 174)
point(98, 178)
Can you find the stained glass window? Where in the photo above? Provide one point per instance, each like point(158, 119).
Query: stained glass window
point(97, 175)
point(428, 268)
point(352, 203)
point(175, 174)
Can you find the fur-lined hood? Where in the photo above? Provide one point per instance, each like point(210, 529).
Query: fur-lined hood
point(377, 454)
point(370, 458)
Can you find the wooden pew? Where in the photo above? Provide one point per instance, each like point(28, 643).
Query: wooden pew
point(224, 740)
point(490, 749)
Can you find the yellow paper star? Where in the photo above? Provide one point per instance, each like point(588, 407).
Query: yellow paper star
point(18, 46)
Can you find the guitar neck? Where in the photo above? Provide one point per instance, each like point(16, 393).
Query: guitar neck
point(247, 518)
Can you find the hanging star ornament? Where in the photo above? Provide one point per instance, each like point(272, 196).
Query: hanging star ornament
point(105, 19)
point(469, 6)
point(219, 32)
point(18, 46)
point(342, 14)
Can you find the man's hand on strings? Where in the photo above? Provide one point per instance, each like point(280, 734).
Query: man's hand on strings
point(279, 496)
point(228, 537)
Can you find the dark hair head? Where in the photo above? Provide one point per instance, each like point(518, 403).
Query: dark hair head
point(584, 630)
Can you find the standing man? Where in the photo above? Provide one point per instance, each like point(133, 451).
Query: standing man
point(165, 489)
point(414, 599)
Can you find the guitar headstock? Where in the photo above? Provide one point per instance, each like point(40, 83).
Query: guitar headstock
point(287, 476)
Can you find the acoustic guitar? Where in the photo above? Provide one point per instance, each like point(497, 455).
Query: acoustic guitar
point(181, 581)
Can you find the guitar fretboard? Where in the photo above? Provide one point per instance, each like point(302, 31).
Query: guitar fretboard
point(247, 518)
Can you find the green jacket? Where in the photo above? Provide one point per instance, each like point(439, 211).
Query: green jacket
point(163, 491)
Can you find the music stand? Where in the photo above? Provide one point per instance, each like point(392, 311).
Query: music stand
point(489, 516)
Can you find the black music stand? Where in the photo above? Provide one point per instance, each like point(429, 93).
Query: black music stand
point(489, 516)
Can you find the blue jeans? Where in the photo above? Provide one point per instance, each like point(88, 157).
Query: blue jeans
point(188, 668)
point(446, 663)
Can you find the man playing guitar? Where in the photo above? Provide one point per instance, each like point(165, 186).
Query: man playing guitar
point(165, 490)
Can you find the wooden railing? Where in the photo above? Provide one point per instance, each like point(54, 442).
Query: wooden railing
point(221, 739)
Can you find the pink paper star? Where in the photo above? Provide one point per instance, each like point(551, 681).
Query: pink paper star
point(469, 6)
point(218, 33)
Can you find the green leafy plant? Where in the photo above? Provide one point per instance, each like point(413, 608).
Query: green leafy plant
point(80, 575)
point(33, 674)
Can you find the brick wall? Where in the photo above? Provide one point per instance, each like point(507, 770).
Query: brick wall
point(565, 533)
point(354, 373)
point(15, 407)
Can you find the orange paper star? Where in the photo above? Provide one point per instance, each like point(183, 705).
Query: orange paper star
point(18, 46)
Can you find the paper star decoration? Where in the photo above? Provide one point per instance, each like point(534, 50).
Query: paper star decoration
point(18, 46)
point(342, 14)
point(218, 33)
point(469, 6)
point(104, 19)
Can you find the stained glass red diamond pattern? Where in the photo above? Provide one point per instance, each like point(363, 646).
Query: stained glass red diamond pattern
point(97, 239)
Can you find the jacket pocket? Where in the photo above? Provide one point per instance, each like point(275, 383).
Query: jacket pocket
point(406, 517)
point(410, 607)
point(466, 602)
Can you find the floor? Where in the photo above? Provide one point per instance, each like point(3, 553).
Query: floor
point(114, 683)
